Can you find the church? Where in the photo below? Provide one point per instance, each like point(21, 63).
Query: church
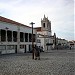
point(46, 40)
point(44, 35)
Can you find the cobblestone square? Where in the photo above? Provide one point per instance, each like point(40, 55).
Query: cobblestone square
point(52, 63)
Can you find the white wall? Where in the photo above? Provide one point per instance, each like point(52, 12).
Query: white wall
point(14, 27)
point(11, 27)
point(27, 29)
point(17, 28)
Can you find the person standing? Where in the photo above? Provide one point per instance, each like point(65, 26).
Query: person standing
point(37, 53)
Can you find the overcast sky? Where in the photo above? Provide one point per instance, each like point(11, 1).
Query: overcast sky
point(59, 12)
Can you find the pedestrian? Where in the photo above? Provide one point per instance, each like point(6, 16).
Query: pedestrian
point(37, 53)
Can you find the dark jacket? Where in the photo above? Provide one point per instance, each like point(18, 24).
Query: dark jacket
point(37, 51)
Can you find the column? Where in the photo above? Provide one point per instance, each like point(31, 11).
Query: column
point(6, 35)
point(27, 47)
point(18, 39)
point(6, 40)
point(24, 37)
point(12, 36)
point(28, 37)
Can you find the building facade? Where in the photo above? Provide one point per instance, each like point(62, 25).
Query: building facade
point(15, 37)
point(45, 38)
point(71, 44)
point(62, 43)
point(44, 35)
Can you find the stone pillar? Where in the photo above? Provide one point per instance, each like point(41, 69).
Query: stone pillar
point(12, 36)
point(27, 47)
point(6, 35)
point(6, 41)
point(28, 37)
point(18, 40)
point(24, 37)
point(0, 35)
point(45, 48)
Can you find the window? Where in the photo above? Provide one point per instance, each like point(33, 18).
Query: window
point(14, 36)
point(10, 47)
point(2, 47)
point(3, 35)
point(21, 46)
point(26, 37)
point(21, 37)
point(38, 41)
point(9, 36)
point(44, 25)
point(30, 47)
point(30, 37)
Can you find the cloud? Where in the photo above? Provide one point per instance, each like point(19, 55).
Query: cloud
point(60, 13)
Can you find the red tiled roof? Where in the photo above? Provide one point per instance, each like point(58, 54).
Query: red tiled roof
point(38, 29)
point(3, 19)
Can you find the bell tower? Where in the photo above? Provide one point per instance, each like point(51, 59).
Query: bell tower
point(46, 24)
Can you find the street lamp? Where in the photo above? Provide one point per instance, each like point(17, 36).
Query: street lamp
point(32, 41)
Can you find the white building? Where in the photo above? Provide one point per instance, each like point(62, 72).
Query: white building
point(71, 44)
point(62, 43)
point(15, 37)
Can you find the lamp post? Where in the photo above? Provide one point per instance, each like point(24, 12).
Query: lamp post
point(32, 41)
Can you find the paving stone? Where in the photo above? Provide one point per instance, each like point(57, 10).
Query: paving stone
point(50, 64)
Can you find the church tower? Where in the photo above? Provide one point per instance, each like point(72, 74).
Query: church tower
point(46, 26)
